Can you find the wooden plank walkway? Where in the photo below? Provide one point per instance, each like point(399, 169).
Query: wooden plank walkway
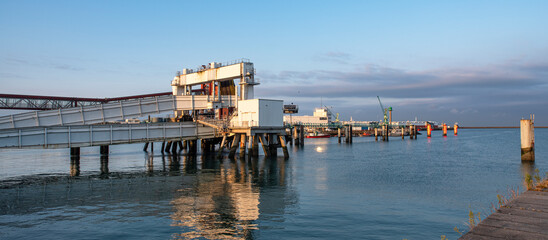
point(526, 217)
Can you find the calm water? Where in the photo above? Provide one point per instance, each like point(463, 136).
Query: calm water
point(414, 189)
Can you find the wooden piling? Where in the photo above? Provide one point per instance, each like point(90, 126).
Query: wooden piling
point(174, 148)
point(456, 129)
point(163, 147)
point(351, 134)
point(104, 164)
point(180, 145)
point(376, 134)
point(167, 147)
point(152, 146)
point(75, 165)
point(402, 133)
point(410, 131)
point(429, 130)
point(527, 130)
point(339, 134)
point(74, 151)
point(415, 132)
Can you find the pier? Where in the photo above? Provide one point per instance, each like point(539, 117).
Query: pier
point(526, 217)
point(210, 103)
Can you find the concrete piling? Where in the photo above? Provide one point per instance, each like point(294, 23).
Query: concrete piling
point(284, 147)
point(527, 131)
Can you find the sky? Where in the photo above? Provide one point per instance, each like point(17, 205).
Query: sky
point(478, 63)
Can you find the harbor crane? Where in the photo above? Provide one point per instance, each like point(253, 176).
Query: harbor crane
point(385, 111)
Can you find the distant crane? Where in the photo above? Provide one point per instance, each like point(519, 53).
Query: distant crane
point(385, 111)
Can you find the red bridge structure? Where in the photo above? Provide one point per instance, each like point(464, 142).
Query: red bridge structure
point(34, 102)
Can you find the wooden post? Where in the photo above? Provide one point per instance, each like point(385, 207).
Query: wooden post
point(527, 130)
point(163, 147)
point(75, 151)
point(411, 132)
point(234, 146)
point(167, 147)
point(339, 134)
point(402, 133)
point(387, 130)
point(284, 147)
point(456, 129)
point(383, 133)
point(263, 143)
point(376, 134)
point(429, 130)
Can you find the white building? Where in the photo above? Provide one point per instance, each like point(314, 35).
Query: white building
point(320, 116)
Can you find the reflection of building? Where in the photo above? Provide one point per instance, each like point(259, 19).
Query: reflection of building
point(320, 116)
point(226, 203)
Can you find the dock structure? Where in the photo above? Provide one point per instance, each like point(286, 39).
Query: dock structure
point(526, 217)
point(205, 103)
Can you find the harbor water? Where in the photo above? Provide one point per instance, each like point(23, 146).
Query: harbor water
point(401, 189)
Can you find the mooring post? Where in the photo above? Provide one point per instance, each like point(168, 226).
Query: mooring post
point(387, 130)
point(410, 129)
point(445, 130)
point(339, 134)
point(402, 133)
point(383, 133)
point(351, 133)
point(456, 129)
point(527, 130)
point(295, 136)
point(284, 147)
point(376, 134)
point(428, 130)
point(414, 131)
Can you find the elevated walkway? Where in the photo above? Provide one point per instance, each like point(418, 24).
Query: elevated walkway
point(115, 111)
point(103, 134)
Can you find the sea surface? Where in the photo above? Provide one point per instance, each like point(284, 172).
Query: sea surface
point(401, 189)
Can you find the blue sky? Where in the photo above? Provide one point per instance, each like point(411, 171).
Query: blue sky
point(472, 62)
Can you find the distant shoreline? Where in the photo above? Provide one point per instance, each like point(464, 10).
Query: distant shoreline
point(497, 127)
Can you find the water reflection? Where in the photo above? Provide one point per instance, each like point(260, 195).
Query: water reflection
point(227, 203)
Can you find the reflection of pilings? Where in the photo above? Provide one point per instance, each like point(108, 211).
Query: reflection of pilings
point(174, 164)
point(185, 145)
point(104, 164)
point(190, 165)
point(75, 165)
point(150, 163)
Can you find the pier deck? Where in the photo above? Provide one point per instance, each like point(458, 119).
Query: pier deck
point(526, 217)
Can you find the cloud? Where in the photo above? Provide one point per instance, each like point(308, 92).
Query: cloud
point(502, 90)
point(334, 56)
